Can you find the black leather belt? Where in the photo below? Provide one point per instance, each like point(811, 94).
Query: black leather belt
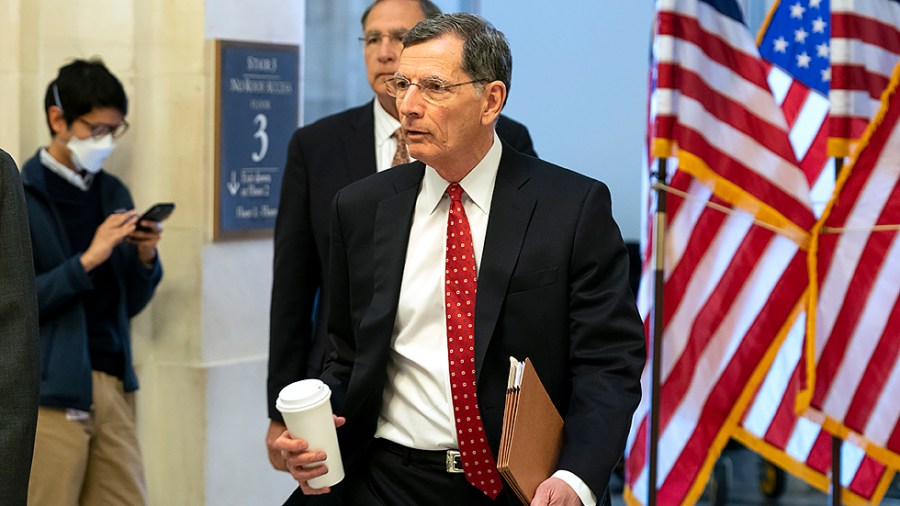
point(450, 460)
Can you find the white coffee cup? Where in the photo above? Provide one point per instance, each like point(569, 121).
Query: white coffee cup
point(306, 408)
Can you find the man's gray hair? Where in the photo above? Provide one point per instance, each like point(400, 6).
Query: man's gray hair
point(428, 8)
point(486, 55)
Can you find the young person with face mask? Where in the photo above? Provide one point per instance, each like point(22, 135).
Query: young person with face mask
point(95, 270)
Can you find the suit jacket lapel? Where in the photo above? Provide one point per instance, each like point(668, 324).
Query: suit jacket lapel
point(393, 219)
point(511, 211)
point(360, 144)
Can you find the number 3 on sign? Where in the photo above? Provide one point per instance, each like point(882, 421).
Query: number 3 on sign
point(263, 137)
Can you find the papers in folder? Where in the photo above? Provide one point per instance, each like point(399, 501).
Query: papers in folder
point(532, 432)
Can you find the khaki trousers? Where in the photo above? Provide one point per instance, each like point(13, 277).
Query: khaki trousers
point(89, 458)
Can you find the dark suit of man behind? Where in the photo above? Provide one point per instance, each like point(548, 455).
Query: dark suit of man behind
point(552, 285)
point(19, 380)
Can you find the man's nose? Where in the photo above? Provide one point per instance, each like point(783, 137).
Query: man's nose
point(412, 102)
point(387, 48)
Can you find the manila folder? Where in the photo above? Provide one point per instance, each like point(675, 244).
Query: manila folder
point(532, 432)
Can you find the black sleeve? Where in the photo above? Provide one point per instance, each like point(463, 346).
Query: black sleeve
point(19, 361)
point(295, 281)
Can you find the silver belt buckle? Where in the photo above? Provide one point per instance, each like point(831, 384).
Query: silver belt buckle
point(454, 462)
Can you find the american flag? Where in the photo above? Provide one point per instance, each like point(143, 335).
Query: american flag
point(856, 269)
point(865, 46)
point(732, 288)
point(796, 43)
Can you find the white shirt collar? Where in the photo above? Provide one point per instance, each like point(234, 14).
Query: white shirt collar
point(385, 124)
point(478, 184)
point(72, 177)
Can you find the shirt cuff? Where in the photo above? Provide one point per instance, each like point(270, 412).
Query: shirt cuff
point(584, 492)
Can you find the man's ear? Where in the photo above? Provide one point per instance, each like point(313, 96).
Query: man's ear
point(495, 98)
point(56, 120)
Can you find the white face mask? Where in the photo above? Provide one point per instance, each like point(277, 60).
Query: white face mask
point(89, 154)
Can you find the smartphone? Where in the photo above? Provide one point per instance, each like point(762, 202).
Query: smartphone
point(157, 212)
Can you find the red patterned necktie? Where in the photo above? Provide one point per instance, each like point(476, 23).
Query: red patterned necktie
point(402, 153)
point(477, 460)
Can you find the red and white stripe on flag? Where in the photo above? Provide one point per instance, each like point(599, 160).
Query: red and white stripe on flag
point(806, 111)
point(771, 428)
point(865, 46)
point(855, 268)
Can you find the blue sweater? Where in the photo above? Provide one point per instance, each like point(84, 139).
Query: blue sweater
point(62, 285)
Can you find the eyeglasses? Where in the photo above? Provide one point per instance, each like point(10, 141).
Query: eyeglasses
point(371, 39)
point(432, 90)
point(101, 130)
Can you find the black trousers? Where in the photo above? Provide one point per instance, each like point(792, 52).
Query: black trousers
point(391, 475)
point(396, 476)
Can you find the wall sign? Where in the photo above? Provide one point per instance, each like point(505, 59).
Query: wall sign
point(257, 103)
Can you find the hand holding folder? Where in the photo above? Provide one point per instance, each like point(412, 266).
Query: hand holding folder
point(532, 432)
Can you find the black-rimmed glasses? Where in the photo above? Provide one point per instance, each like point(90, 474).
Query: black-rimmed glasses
point(101, 130)
point(433, 90)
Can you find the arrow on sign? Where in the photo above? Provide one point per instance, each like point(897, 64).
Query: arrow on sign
point(233, 185)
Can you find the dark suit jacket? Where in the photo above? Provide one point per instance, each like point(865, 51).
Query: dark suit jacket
point(19, 358)
point(322, 158)
point(553, 286)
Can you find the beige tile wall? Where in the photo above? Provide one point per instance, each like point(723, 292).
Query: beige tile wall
point(200, 347)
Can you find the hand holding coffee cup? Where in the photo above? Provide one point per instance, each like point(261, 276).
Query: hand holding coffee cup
point(312, 439)
point(297, 458)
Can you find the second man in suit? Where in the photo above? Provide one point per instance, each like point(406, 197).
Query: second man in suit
point(323, 158)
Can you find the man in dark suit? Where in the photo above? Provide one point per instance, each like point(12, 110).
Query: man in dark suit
point(19, 379)
point(552, 285)
point(323, 158)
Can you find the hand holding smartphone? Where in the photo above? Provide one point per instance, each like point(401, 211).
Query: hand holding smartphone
point(157, 212)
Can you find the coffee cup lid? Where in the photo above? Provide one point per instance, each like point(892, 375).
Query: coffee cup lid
point(302, 394)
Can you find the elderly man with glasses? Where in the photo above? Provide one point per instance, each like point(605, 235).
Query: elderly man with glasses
point(96, 269)
point(323, 158)
point(421, 363)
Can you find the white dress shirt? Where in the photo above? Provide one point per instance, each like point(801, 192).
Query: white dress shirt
point(417, 411)
point(83, 183)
